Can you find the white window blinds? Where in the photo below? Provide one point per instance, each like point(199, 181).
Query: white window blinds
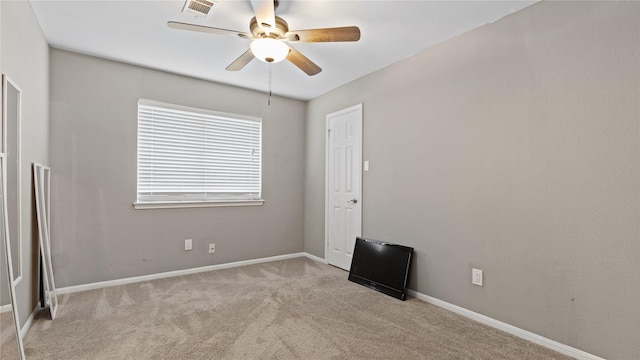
point(187, 154)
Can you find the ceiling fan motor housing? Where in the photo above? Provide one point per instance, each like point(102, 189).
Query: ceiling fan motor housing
point(278, 33)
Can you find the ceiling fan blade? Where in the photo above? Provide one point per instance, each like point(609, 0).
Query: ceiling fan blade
point(265, 14)
point(207, 29)
point(346, 33)
point(303, 62)
point(241, 62)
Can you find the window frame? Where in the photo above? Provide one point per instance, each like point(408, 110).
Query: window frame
point(186, 200)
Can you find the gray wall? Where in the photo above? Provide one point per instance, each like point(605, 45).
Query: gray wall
point(96, 233)
point(25, 59)
point(514, 149)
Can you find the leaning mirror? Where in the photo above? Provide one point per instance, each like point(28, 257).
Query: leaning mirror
point(11, 147)
point(42, 187)
point(11, 346)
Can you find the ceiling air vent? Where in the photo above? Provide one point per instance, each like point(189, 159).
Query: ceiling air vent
point(199, 8)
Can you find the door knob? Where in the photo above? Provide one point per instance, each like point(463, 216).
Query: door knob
point(353, 201)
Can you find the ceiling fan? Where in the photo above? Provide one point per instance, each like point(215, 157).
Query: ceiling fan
point(270, 34)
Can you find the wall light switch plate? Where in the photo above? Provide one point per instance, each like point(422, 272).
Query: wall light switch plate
point(188, 244)
point(476, 277)
point(212, 248)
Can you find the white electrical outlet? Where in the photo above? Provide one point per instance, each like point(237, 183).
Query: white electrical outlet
point(212, 248)
point(188, 244)
point(476, 277)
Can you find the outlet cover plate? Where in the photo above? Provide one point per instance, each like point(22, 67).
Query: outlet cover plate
point(476, 277)
point(212, 248)
point(188, 244)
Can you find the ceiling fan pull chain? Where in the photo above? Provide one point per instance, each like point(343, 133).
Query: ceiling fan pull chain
point(269, 101)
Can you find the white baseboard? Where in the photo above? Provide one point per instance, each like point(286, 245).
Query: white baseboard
point(523, 334)
point(135, 279)
point(27, 325)
point(5, 308)
point(315, 258)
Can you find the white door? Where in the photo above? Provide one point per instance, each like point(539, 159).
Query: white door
point(344, 184)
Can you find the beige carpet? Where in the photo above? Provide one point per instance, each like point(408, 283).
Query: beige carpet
point(8, 338)
point(291, 309)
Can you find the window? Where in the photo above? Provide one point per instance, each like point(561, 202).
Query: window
point(195, 157)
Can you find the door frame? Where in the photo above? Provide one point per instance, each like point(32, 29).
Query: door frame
point(357, 107)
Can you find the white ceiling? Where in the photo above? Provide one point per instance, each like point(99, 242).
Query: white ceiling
point(136, 32)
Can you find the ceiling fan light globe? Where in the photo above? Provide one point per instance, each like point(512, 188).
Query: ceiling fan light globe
point(269, 50)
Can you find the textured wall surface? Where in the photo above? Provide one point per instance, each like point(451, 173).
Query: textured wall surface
point(96, 233)
point(513, 148)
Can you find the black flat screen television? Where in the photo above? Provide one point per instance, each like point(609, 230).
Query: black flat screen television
point(381, 266)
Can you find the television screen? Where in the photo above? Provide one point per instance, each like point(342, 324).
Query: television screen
point(381, 266)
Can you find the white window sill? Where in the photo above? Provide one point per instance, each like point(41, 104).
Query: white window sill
point(194, 204)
